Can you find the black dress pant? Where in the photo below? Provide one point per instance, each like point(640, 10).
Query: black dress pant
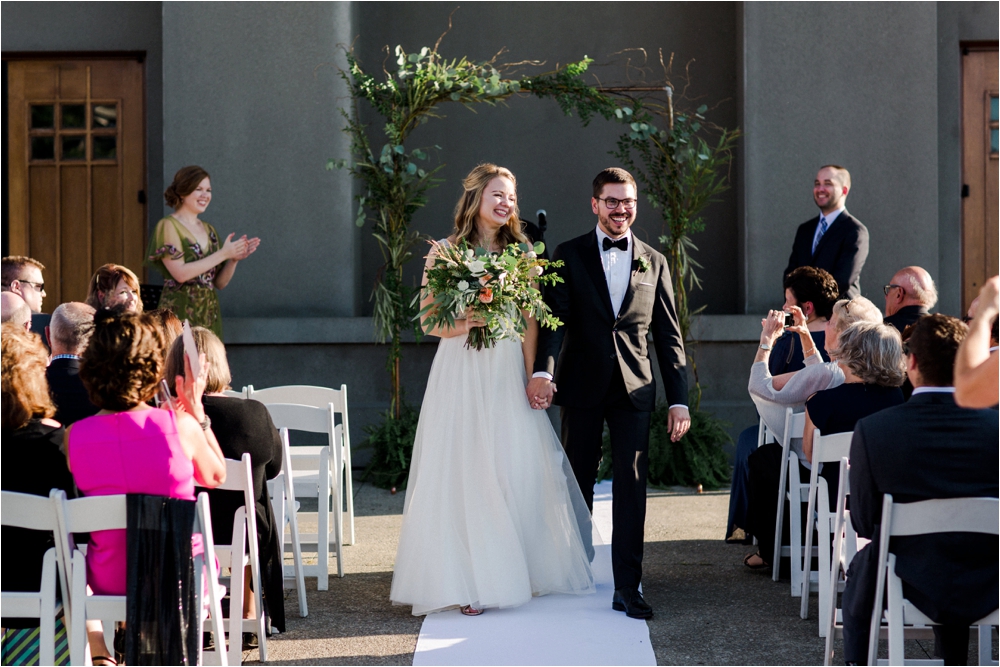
point(582, 436)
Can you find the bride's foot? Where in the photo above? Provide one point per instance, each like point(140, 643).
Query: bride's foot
point(469, 610)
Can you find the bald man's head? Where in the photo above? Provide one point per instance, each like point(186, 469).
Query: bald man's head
point(911, 286)
point(14, 309)
point(70, 327)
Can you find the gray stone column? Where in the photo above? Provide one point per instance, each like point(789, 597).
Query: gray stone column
point(251, 93)
point(846, 83)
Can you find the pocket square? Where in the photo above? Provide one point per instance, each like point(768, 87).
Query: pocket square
point(648, 284)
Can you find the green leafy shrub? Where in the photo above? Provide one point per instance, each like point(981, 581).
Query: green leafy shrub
point(392, 440)
point(698, 458)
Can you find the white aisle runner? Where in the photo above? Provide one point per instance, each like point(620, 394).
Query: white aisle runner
point(549, 630)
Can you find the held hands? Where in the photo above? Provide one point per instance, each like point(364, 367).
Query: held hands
point(190, 390)
point(241, 248)
point(540, 391)
point(678, 422)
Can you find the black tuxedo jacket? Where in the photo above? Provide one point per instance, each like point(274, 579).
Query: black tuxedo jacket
point(582, 354)
point(68, 392)
point(842, 251)
point(930, 448)
point(905, 316)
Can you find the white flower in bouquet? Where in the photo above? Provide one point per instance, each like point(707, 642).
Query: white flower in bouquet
point(476, 266)
point(463, 286)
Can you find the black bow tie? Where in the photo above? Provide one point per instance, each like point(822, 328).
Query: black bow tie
point(621, 244)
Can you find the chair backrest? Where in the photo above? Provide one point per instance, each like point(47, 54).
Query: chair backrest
point(302, 417)
point(235, 394)
point(831, 448)
point(795, 424)
point(26, 510)
point(300, 394)
point(86, 515)
point(239, 477)
point(942, 515)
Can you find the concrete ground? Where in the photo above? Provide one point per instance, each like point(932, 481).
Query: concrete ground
point(710, 609)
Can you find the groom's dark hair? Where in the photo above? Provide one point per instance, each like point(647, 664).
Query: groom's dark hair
point(612, 175)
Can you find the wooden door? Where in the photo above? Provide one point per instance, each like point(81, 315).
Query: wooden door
point(980, 201)
point(77, 165)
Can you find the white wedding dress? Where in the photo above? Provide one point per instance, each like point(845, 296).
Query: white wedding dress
point(493, 514)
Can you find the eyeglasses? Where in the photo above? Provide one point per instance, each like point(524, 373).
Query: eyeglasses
point(613, 203)
point(847, 307)
point(886, 288)
point(40, 287)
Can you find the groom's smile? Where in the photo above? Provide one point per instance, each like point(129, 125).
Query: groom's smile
point(615, 220)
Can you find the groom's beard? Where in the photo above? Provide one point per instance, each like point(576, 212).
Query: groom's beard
point(612, 228)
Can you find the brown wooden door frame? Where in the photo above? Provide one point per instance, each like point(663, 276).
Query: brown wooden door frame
point(112, 225)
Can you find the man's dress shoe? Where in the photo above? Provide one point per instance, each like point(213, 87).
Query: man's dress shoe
point(629, 600)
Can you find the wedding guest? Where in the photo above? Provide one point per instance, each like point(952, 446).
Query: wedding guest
point(977, 367)
point(834, 240)
point(187, 251)
point(114, 287)
point(33, 463)
point(242, 426)
point(772, 395)
point(926, 448)
point(168, 324)
point(813, 291)
point(156, 452)
point(870, 355)
point(909, 296)
point(68, 332)
point(23, 276)
point(15, 310)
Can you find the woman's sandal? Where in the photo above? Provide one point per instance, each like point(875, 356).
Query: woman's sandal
point(761, 566)
point(103, 661)
point(469, 610)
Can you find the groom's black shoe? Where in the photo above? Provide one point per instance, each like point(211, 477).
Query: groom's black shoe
point(629, 600)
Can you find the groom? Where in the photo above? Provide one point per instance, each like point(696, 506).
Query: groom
point(616, 289)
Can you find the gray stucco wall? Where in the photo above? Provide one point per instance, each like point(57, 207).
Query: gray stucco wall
point(957, 22)
point(554, 157)
point(847, 83)
point(251, 93)
point(99, 26)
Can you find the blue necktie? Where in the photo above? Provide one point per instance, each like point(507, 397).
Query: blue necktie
point(823, 226)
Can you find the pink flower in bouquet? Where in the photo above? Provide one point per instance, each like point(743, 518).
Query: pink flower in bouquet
point(485, 295)
point(485, 279)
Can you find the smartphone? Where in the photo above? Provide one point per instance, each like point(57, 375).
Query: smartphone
point(163, 397)
point(191, 350)
point(789, 320)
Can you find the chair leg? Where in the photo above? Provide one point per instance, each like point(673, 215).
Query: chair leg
point(895, 614)
point(236, 585)
point(300, 578)
point(78, 628)
point(795, 541)
point(779, 521)
point(323, 534)
point(338, 523)
point(986, 645)
point(47, 612)
point(349, 488)
point(823, 575)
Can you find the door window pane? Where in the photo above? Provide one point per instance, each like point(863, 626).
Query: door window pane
point(103, 147)
point(993, 141)
point(74, 115)
point(994, 112)
point(74, 148)
point(104, 115)
point(43, 148)
point(43, 116)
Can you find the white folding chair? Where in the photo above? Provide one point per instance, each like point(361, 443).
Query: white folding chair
point(282, 491)
point(942, 515)
point(845, 546)
point(790, 488)
point(236, 556)
point(321, 397)
point(826, 449)
point(24, 510)
point(310, 469)
point(205, 579)
point(232, 393)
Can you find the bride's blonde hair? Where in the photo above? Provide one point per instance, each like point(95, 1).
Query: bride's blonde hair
point(467, 208)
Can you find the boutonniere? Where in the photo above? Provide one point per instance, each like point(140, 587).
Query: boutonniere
point(642, 264)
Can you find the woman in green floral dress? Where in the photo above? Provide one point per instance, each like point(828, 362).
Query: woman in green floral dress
point(187, 251)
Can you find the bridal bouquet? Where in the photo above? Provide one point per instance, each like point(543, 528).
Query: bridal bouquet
point(496, 287)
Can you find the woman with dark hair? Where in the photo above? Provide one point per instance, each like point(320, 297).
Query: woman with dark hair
point(493, 512)
point(33, 462)
point(114, 287)
point(187, 251)
point(243, 426)
point(131, 448)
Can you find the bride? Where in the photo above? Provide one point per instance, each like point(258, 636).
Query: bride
point(493, 513)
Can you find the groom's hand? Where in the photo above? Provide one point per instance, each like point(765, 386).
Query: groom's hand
point(678, 422)
point(539, 391)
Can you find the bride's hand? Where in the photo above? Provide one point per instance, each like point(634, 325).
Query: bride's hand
point(474, 322)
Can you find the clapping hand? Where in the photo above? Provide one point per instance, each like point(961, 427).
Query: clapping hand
point(191, 389)
point(241, 248)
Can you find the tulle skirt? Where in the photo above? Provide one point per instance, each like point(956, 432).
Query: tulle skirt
point(493, 513)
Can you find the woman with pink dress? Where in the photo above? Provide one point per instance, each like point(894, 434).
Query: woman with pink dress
point(131, 448)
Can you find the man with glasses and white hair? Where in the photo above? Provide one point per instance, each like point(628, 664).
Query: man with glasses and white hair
point(834, 240)
point(23, 276)
point(909, 296)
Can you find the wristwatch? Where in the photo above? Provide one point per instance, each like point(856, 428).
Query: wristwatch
point(763, 346)
point(207, 424)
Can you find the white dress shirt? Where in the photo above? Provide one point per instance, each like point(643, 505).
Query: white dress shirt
point(830, 219)
point(927, 389)
point(617, 267)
